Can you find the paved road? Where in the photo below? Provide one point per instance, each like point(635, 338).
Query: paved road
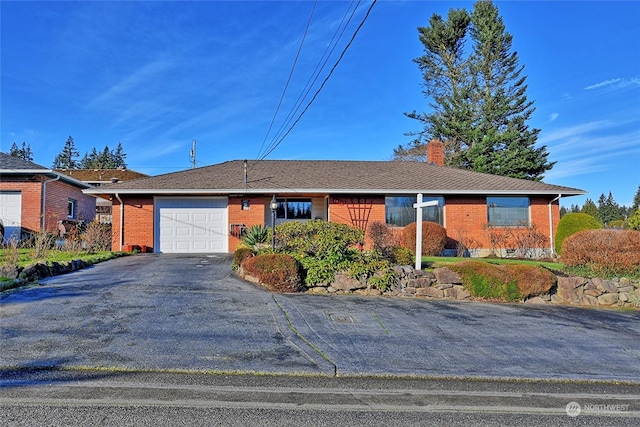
point(191, 313)
point(141, 398)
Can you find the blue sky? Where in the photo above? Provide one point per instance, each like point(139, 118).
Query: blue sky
point(156, 75)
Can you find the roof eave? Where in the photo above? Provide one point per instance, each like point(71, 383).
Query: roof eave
point(46, 172)
point(550, 192)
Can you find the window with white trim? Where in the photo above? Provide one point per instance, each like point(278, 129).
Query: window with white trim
point(72, 205)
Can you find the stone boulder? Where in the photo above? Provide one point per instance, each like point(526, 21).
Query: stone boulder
point(445, 275)
point(342, 282)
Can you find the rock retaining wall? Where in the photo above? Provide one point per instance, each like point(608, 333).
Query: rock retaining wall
point(443, 283)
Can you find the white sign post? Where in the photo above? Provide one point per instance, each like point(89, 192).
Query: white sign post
point(419, 205)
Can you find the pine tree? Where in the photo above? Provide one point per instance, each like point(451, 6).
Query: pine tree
point(479, 103)
point(66, 158)
point(118, 157)
point(23, 153)
point(636, 201)
point(590, 208)
point(608, 209)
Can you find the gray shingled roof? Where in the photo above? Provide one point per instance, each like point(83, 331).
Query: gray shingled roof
point(330, 177)
point(12, 166)
point(13, 163)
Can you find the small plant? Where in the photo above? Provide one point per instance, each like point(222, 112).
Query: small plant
point(256, 236)
point(279, 272)
point(96, 237)
point(402, 256)
point(240, 255)
point(382, 239)
point(484, 280)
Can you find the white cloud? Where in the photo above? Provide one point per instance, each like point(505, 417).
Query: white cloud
point(618, 83)
point(553, 116)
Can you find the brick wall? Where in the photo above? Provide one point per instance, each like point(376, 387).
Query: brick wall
point(57, 193)
point(138, 218)
point(357, 211)
point(30, 188)
point(255, 215)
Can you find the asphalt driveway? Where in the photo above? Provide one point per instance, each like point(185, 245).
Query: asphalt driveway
point(189, 312)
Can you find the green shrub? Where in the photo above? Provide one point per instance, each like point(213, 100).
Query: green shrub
point(634, 220)
point(322, 248)
point(434, 238)
point(617, 223)
point(402, 256)
point(606, 252)
point(255, 236)
point(571, 223)
point(240, 254)
point(488, 281)
point(510, 282)
point(278, 272)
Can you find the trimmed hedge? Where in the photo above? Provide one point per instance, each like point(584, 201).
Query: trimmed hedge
point(609, 252)
point(510, 282)
point(434, 238)
point(572, 223)
point(278, 272)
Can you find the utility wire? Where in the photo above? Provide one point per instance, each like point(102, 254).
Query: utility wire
point(293, 66)
point(313, 78)
point(344, 51)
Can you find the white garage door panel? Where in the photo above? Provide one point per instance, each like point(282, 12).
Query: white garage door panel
point(191, 225)
point(11, 213)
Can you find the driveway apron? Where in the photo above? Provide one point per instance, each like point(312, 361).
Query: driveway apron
point(190, 312)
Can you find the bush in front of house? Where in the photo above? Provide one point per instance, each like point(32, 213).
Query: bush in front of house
point(387, 244)
point(510, 282)
point(434, 238)
point(605, 252)
point(325, 248)
point(572, 223)
point(240, 254)
point(278, 272)
point(256, 236)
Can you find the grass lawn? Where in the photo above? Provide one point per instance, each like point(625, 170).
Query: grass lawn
point(438, 261)
point(27, 256)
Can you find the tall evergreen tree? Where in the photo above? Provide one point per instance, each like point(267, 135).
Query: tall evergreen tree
point(23, 153)
point(66, 159)
point(636, 201)
point(590, 208)
point(608, 209)
point(118, 157)
point(479, 104)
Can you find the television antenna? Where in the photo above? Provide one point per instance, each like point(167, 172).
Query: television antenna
point(192, 154)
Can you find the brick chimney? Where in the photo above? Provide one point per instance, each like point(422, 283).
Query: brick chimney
point(435, 152)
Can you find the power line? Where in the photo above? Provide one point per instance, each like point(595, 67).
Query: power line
point(293, 66)
point(344, 51)
point(322, 62)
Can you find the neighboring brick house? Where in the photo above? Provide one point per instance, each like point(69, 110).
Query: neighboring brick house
point(99, 177)
point(34, 198)
point(205, 209)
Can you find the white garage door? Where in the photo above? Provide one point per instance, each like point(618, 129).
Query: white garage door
point(11, 213)
point(191, 225)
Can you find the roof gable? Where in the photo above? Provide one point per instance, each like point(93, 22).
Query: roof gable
point(8, 162)
point(331, 176)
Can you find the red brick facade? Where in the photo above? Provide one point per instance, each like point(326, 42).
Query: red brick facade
point(465, 217)
point(56, 201)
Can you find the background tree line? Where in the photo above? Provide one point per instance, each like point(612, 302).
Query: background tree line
point(68, 156)
point(607, 211)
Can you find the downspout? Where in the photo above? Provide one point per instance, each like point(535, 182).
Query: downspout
point(121, 221)
point(44, 201)
point(551, 239)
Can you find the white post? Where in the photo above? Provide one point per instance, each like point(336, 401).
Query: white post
point(418, 206)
